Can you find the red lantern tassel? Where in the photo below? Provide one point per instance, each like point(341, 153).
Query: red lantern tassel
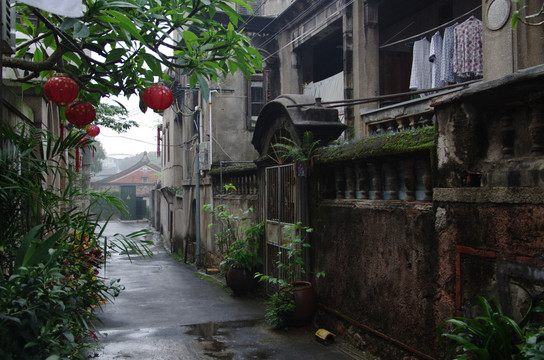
point(61, 130)
point(93, 152)
point(158, 141)
point(77, 159)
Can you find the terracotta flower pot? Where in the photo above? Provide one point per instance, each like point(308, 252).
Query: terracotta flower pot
point(241, 280)
point(305, 304)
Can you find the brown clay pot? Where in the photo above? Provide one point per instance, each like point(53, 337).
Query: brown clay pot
point(305, 304)
point(241, 280)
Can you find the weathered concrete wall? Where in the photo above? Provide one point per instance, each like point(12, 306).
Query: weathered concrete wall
point(380, 259)
point(243, 198)
point(488, 192)
point(400, 268)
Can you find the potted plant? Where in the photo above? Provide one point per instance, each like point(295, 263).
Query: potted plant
point(238, 242)
point(295, 302)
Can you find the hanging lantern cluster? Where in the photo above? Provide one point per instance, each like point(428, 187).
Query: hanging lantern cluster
point(158, 97)
point(63, 91)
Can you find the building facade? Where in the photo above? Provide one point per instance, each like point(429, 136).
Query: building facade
point(416, 208)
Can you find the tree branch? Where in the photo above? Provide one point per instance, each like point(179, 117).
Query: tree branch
point(47, 64)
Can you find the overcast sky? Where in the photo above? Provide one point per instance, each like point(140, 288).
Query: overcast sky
point(136, 140)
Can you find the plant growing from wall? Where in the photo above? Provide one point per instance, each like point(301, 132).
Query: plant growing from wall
point(302, 155)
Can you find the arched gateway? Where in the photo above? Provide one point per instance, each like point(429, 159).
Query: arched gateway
point(284, 188)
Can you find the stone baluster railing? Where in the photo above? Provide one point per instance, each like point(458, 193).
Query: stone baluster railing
point(406, 180)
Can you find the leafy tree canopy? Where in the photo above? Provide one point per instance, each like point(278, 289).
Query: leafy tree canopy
point(120, 47)
point(99, 155)
point(113, 117)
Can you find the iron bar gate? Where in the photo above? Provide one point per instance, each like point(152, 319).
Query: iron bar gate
point(283, 208)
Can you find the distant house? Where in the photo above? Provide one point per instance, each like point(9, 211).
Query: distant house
point(133, 183)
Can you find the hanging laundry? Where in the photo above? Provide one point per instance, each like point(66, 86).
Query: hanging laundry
point(446, 65)
point(420, 77)
point(467, 58)
point(435, 57)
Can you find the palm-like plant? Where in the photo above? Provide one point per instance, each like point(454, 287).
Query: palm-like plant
point(302, 155)
point(492, 335)
point(50, 248)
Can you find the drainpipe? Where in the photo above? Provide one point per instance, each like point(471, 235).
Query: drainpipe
point(197, 190)
point(377, 333)
point(210, 153)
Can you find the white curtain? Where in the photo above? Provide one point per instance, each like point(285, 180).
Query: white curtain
point(70, 8)
point(329, 89)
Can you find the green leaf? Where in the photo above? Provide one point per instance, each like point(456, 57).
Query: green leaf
point(204, 89)
point(115, 54)
point(68, 23)
point(153, 63)
point(107, 19)
point(25, 246)
point(38, 55)
point(81, 30)
point(126, 23)
point(189, 36)
point(70, 56)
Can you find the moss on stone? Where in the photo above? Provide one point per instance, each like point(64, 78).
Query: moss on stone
point(389, 144)
point(234, 169)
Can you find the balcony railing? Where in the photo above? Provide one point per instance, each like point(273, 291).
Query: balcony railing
point(391, 179)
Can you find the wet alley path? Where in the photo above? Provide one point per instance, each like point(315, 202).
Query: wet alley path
point(168, 311)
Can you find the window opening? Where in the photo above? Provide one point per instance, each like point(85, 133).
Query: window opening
point(257, 98)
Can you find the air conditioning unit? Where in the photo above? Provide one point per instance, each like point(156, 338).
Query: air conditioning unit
point(204, 155)
point(8, 27)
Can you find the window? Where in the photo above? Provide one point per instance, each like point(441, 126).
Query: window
point(144, 180)
point(257, 97)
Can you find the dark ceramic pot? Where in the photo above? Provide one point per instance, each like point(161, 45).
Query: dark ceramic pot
point(305, 304)
point(241, 280)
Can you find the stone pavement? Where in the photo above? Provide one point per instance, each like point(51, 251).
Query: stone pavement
point(170, 311)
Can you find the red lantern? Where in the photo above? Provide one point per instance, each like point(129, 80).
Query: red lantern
point(80, 113)
point(93, 130)
point(158, 97)
point(60, 89)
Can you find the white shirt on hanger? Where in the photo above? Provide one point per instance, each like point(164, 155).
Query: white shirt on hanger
point(435, 57)
point(420, 77)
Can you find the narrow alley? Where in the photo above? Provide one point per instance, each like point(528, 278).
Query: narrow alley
point(169, 311)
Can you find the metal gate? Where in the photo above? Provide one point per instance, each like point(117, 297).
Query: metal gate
point(282, 208)
point(128, 196)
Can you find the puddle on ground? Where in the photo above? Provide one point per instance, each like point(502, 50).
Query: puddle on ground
point(206, 330)
point(210, 329)
point(211, 338)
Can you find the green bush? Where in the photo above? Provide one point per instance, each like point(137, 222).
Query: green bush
point(492, 335)
point(50, 249)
